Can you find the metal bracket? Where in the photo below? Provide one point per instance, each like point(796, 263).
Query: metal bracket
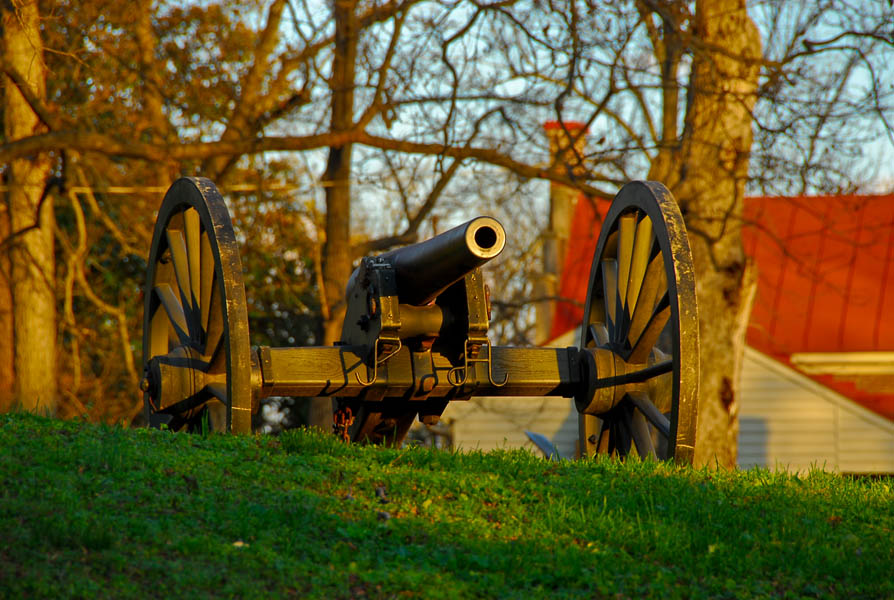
point(424, 377)
point(470, 348)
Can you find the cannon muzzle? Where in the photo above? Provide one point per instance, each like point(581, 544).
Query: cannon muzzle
point(426, 269)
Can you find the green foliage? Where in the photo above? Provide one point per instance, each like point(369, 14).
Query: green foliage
point(166, 73)
point(279, 269)
point(102, 511)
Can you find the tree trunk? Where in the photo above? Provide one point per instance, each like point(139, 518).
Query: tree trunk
point(31, 217)
point(7, 356)
point(337, 251)
point(707, 173)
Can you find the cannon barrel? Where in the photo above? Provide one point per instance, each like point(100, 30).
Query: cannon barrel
point(426, 269)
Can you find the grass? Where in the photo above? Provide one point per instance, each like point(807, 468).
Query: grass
point(102, 511)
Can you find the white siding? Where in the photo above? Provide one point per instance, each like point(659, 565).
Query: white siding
point(865, 448)
point(490, 423)
point(787, 420)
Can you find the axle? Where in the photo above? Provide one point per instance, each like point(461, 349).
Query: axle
point(340, 371)
point(596, 378)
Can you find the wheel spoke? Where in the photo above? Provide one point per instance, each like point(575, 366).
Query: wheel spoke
point(627, 229)
point(612, 435)
point(164, 334)
point(591, 339)
point(217, 415)
point(654, 286)
point(214, 333)
point(588, 428)
point(642, 437)
point(624, 441)
point(217, 360)
point(645, 374)
point(602, 444)
point(208, 281)
point(660, 389)
point(642, 249)
point(660, 355)
point(177, 244)
point(650, 412)
point(649, 336)
point(192, 226)
point(622, 325)
point(174, 311)
point(610, 292)
point(159, 331)
point(598, 334)
point(218, 389)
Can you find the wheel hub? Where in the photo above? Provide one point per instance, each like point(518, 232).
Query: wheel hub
point(177, 377)
point(605, 379)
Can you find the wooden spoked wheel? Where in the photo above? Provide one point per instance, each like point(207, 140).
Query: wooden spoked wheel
point(196, 351)
point(639, 340)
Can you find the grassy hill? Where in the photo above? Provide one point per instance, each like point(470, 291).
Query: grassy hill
point(101, 511)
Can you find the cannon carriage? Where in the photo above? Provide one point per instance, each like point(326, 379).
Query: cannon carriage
point(414, 336)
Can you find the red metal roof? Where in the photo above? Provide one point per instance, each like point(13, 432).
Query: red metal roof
point(825, 280)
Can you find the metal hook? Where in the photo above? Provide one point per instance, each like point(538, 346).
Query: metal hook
point(452, 376)
point(490, 372)
point(376, 362)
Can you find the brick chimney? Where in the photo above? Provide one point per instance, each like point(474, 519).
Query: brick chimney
point(567, 145)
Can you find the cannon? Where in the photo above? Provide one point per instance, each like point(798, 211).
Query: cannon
point(415, 330)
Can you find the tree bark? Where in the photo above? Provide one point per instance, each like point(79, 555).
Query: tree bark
point(337, 179)
point(31, 216)
point(707, 172)
point(7, 356)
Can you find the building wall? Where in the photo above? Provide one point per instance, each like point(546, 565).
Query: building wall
point(787, 420)
point(491, 423)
